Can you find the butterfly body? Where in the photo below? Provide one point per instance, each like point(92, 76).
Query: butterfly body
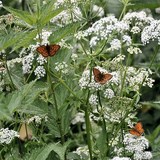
point(48, 50)
point(137, 130)
point(100, 77)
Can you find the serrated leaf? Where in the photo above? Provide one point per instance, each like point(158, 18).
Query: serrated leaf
point(23, 15)
point(63, 32)
point(26, 39)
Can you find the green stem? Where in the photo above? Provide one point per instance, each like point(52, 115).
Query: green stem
point(8, 72)
point(88, 127)
point(55, 103)
point(124, 9)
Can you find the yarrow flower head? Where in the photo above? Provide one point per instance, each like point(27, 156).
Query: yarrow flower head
point(109, 93)
point(37, 119)
point(93, 100)
point(115, 44)
point(6, 135)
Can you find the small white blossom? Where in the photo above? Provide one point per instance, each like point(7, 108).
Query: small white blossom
point(37, 119)
point(40, 72)
point(93, 99)
point(127, 39)
point(146, 155)
point(135, 30)
point(62, 67)
point(79, 118)
point(157, 10)
point(108, 93)
point(94, 40)
point(74, 57)
point(115, 44)
point(6, 135)
point(41, 60)
point(116, 78)
point(134, 50)
point(27, 63)
point(118, 58)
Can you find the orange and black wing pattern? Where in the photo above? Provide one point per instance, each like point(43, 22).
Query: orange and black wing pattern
point(48, 50)
point(101, 78)
point(137, 130)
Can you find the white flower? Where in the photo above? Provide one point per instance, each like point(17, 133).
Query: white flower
point(93, 100)
point(118, 58)
point(37, 119)
point(116, 78)
point(142, 155)
point(62, 67)
point(93, 41)
point(79, 118)
point(40, 72)
point(127, 39)
point(135, 29)
point(135, 144)
point(74, 57)
point(157, 10)
point(115, 44)
point(27, 63)
point(6, 135)
point(41, 60)
point(108, 93)
point(134, 50)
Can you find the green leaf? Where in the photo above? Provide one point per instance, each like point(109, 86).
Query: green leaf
point(45, 151)
point(48, 12)
point(17, 39)
point(26, 39)
point(63, 32)
point(23, 15)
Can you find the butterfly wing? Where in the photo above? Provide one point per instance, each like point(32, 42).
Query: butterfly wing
point(43, 50)
point(53, 49)
point(101, 77)
point(137, 130)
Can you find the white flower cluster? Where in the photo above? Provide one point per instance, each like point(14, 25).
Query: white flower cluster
point(102, 30)
point(85, 81)
point(41, 60)
point(134, 50)
point(138, 19)
point(127, 39)
point(93, 100)
point(40, 72)
point(78, 118)
point(27, 63)
point(136, 77)
point(121, 158)
point(108, 93)
point(61, 67)
point(6, 135)
point(37, 119)
point(83, 152)
point(115, 44)
point(151, 32)
point(137, 146)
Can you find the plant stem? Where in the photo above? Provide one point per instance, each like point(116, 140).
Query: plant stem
point(55, 103)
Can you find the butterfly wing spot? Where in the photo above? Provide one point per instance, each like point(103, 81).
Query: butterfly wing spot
point(101, 78)
point(43, 50)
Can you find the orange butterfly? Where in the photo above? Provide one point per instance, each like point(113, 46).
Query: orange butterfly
point(48, 50)
point(100, 77)
point(137, 130)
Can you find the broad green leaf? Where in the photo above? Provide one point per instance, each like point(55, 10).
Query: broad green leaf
point(17, 39)
point(23, 15)
point(45, 151)
point(63, 32)
point(26, 40)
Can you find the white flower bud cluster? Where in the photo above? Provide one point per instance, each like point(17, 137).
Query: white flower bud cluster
point(40, 72)
point(61, 67)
